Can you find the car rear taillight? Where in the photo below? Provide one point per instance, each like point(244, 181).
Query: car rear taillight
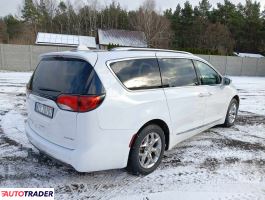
point(79, 103)
point(67, 102)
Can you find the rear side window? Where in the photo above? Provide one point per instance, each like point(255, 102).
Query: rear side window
point(59, 75)
point(208, 75)
point(138, 74)
point(177, 72)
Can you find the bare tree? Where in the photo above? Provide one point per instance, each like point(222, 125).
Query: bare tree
point(149, 5)
point(156, 27)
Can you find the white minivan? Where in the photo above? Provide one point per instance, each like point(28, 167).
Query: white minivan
point(99, 110)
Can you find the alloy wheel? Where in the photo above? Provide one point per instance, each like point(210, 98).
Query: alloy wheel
point(150, 150)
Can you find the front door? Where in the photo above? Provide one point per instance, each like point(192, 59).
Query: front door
point(185, 97)
point(215, 101)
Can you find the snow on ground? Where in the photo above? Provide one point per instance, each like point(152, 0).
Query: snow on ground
point(252, 93)
point(217, 164)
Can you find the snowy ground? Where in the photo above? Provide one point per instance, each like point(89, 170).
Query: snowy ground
point(217, 164)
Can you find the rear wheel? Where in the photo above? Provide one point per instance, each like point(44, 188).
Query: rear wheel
point(147, 151)
point(231, 114)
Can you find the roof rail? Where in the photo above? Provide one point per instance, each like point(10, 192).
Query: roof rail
point(147, 49)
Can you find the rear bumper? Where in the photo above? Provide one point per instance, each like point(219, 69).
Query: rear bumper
point(58, 152)
point(109, 151)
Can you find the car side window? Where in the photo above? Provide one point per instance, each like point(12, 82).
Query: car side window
point(208, 76)
point(138, 74)
point(177, 72)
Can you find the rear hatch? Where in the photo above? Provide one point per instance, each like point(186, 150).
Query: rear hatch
point(57, 77)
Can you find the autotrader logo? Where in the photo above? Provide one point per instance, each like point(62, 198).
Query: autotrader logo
point(27, 193)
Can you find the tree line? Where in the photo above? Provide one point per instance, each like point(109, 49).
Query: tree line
point(199, 29)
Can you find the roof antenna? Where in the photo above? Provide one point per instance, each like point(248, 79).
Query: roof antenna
point(82, 48)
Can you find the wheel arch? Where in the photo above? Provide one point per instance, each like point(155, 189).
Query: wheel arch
point(237, 98)
point(162, 124)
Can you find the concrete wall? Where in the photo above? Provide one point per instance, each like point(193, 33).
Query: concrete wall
point(237, 66)
point(25, 58)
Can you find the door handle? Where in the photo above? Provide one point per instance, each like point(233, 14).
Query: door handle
point(201, 95)
point(205, 94)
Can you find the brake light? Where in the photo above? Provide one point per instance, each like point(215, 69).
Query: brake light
point(67, 102)
point(79, 103)
point(87, 103)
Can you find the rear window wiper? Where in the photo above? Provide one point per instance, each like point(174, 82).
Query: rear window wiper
point(48, 89)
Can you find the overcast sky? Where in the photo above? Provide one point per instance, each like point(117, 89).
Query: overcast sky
point(11, 6)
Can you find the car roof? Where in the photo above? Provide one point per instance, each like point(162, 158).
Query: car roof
point(128, 52)
point(139, 53)
point(122, 53)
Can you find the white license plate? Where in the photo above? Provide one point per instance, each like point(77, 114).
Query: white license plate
point(44, 110)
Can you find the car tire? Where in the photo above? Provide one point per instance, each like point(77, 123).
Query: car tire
point(231, 114)
point(147, 151)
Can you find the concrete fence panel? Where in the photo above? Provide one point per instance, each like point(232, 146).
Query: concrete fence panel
point(261, 68)
point(16, 57)
point(65, 48)
point(37, 51)
point(249, 67)
point(205, 57)
point(219, 62)
point(234, 65)
point(23, 57)
point(26, 58)
point(1, 57)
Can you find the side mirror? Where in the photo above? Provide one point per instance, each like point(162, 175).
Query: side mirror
point(227, 81)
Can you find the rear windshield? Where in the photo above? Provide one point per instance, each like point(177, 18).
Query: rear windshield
point(59, 75)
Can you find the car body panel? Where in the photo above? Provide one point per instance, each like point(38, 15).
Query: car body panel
point(101, 138)
point(60, 130)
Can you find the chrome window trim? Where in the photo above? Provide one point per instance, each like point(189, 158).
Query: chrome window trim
point(208, 64)
point(194, 67)
point(109, 62)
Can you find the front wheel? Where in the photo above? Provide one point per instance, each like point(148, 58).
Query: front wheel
point(147, 151)
point(231, 114)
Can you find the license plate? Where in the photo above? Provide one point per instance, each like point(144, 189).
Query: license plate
point(44, 110)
